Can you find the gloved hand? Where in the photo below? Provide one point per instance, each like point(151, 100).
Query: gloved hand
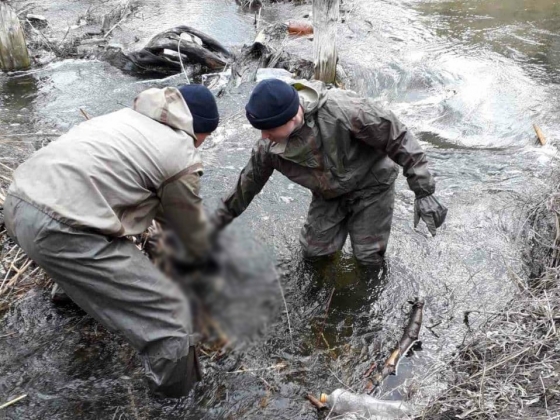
point(214, 230)
point(217, 221)
point(431, 211)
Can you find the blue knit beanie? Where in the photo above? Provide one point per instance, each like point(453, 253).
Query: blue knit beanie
point(202, 105)
point(273, 103)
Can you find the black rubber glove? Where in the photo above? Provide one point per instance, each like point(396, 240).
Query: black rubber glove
point(431, 211)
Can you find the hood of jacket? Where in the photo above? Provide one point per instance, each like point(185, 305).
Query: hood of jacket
point(166, 106)
point(312, 94)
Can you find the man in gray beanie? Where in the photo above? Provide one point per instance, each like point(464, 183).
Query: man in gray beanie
point(72, 204)
point(345, 149)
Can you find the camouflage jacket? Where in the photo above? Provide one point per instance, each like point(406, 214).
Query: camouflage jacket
point(347, 144)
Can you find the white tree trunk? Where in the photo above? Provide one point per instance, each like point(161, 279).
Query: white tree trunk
point(13, 51)
point(325, 19)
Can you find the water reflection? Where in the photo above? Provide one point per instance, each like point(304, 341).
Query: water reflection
point(339, 294)
point(17, 102)
point(523, 30)
point(444, 68)
point(220, 19)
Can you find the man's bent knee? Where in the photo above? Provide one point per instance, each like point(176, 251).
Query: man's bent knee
point(369, 254)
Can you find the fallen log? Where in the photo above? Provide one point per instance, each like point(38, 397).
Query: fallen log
point(139, 62)
point(207, 41)
point(191, 52)
point(407, 341)
point(163, 54)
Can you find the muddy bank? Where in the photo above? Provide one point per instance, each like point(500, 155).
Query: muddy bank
point(508, 367)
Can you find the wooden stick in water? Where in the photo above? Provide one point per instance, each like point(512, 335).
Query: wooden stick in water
point(15, 400)
point(410, 336)
point(540, 135)
point(318, 404)
point(86, 116)
point(325, 319)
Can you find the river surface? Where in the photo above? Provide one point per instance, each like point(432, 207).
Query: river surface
point(470, 78)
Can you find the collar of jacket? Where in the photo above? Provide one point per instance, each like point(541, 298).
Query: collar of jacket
point(311, 97)
point(278, 148)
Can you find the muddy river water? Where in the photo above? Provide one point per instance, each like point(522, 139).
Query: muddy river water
point(470, 78)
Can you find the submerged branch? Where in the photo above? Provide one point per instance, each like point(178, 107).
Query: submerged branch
point(409, 338)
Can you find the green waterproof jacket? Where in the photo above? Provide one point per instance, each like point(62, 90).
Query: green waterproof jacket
point(347, 144)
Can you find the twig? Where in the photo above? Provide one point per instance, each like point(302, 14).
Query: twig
point(287, 312)
point(65, 35)
point(118, 23)
point(181, 59)
point(53, 49)
point(481, 397)
point(84, 113)
point(15, 400)
point(325, 341)
point(507, 359)
point(7, 167)
point(257, 24)
point(544, 394)
point(550, 312)
point(370, 370)
point(10, 269)
point(318, 404)
point(262, 379)
point(19, 272)
point(277, 366)
point(513, 347)
point(116, 411)
point(6, 178)
point(540, 135)
point(342, 383)
point(133, 403)
point(325, 318)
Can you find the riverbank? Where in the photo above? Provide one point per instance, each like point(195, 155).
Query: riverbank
point(509, 367)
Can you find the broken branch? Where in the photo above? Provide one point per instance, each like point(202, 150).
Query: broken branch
point(325, 319)
point(15, 400)
point(409, 338)
point(540, 135)
point(318, 404)
point(84, 113)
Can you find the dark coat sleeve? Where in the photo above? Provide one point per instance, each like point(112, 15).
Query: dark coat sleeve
point(181, 209)
point(382, 130)
point(251, 181)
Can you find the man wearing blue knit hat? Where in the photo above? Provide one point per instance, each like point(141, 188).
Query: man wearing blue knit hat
point(73, 203)
point(345, 149)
